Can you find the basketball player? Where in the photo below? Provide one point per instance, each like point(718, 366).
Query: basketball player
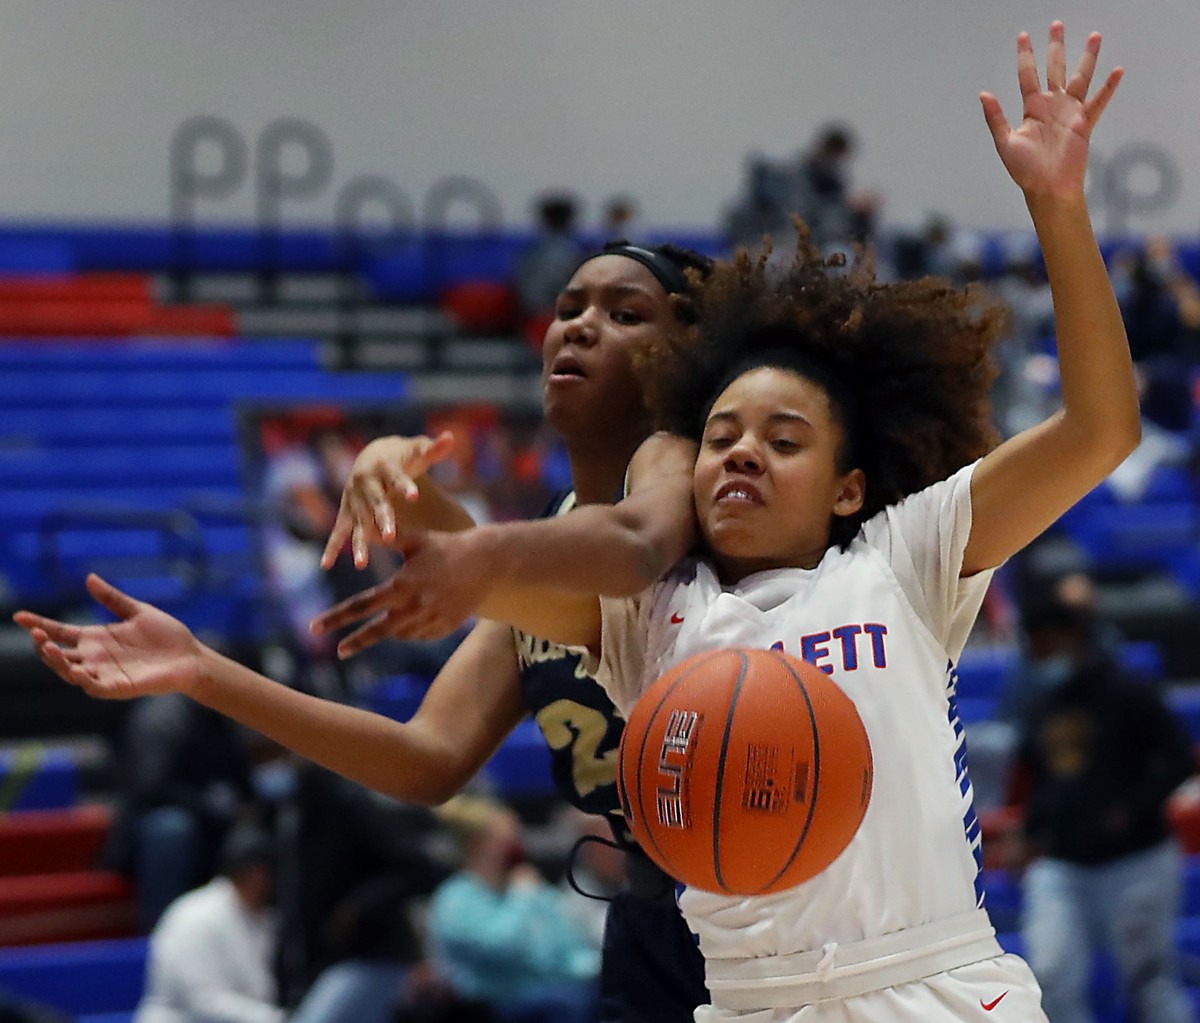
point(853, 509)
point(616, 303)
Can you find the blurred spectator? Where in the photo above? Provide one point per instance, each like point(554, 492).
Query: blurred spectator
point(359, 862)
point(211, 955)
point(931, 251)
point(1160, 303)
point(813, 184)
point(1099, 756)
point(620, 218)
point(184, 778)
point(499, 931)
point(299, 514)
point(547, 265)
point(1026, 390)
point(595, 873)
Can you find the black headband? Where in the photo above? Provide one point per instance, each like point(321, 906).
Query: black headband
point(668, 273)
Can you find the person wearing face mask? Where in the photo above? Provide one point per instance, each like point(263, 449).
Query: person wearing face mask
point(1099, 755)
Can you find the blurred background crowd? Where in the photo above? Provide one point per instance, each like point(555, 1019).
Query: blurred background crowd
point(181, 405)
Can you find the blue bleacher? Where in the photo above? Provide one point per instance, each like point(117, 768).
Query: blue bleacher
point(23, 388)
point(187, 421)
point(1137, 536)
point(34, 778)
point(96, 434)
point(520, 768)
point(82, 978)
point(984, 671)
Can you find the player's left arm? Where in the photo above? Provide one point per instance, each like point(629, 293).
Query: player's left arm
point(543, 577)
point(1026, 483)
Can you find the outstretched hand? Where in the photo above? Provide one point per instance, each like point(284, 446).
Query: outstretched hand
point(442, 583)
point(383, 476)
point(1047, 153)
point(145, 653)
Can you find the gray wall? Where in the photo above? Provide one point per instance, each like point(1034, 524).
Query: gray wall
point(660, 98)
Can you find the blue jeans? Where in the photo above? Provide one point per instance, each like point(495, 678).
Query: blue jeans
point(353, 991)
point(1128, 907)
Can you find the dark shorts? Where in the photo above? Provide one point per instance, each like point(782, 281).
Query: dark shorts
point(652, 971)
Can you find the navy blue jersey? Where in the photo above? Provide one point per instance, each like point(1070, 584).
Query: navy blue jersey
point(581, 726)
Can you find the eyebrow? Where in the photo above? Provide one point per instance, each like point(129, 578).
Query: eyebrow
point(774, 417)
point(617, 290)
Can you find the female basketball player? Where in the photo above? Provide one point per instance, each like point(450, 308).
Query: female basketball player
point(852, 513)
point(616, 303)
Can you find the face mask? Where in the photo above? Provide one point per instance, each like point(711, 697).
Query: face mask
point(514, 855)
point(1052, 672)
point(274, 781)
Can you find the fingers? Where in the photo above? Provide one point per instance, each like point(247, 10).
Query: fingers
point(360, 546)
point(1081, 80)
point(365, 636)
point(1027, 69)
point(441, 447)
point(993, 113)
point(338, 536)
point(1095, 106)
point(1056, 58)
point(375, 506)
point(59, 632)
point(353, 609)
point(56, 659)
point(415, 621)
point(120, 604)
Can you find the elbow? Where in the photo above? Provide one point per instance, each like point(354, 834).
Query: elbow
point(1126, 436)
point(652, 562)
point(644, 563)
point(651, 546)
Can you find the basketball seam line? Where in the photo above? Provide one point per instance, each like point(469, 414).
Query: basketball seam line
point(816, 743)
point(718, 795)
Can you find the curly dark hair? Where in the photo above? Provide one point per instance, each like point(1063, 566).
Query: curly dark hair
point(905, 364)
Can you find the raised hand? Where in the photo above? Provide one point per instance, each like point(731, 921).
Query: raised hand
point(145, 653)
point(443, 581)
point(383, 477)
point(1047, 153)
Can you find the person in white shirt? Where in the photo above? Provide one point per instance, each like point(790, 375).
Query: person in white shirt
point(832, 445)
point(212, 952)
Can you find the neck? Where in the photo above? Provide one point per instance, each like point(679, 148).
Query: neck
point(599, 475)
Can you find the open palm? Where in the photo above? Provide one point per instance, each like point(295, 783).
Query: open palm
point(1047, 153)
point(145, 653)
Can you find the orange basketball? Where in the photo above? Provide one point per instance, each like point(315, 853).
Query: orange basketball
point(744, 771)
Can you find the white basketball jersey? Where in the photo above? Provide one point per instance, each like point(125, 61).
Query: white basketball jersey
point(887, 618)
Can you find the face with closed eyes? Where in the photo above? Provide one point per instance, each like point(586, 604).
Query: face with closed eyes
point(611, 307)
point(767, 480)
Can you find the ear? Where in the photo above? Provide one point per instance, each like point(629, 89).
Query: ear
point(852, 493)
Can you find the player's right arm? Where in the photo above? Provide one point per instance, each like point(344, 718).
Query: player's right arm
point(388, 486)
point(458, 726)
point(542, 577)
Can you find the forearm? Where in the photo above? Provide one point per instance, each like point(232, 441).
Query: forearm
point(594, 550)
point(375, 751)
point(433, 509)
point(1099, 389)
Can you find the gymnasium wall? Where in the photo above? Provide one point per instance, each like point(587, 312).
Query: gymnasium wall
point(659, 98)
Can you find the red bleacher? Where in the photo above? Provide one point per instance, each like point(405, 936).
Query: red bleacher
point(101, 305)
point(50, 889)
